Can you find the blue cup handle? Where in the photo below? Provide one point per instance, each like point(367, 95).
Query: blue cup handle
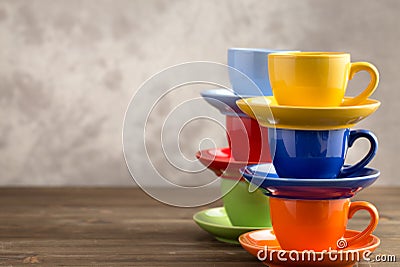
point(354, 135)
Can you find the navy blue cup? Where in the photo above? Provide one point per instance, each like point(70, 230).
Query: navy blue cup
point(316, 153)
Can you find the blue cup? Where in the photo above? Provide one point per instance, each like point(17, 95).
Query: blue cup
point(253, 63)
point(316, 153)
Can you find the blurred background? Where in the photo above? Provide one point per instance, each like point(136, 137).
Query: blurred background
point(68, 70)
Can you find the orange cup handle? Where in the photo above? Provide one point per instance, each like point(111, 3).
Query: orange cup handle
point(363, 205)
point(373, 72)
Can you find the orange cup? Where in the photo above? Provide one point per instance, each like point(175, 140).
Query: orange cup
point(317, 224)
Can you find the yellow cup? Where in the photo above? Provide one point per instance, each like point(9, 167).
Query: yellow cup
point(316, 78)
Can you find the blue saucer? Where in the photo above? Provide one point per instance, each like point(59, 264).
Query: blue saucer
point(224, 100)
point(265, 176)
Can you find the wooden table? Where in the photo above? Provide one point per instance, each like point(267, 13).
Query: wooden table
point(125, 227)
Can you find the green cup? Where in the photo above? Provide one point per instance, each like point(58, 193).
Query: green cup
point(244, 208)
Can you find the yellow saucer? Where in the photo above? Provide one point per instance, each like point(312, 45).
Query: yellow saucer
point(269, 113)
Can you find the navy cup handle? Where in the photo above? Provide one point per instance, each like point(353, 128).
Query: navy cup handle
point(354, 135)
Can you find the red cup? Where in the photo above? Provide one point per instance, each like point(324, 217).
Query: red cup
point(247, 139)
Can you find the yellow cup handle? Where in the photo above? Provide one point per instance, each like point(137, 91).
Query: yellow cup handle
point(373, 72)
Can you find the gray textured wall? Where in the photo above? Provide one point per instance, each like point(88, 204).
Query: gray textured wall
point(69, 68)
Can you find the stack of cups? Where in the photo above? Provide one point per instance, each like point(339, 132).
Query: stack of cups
point(309, 122)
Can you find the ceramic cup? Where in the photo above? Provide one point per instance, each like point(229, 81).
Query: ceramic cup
point(244, 208)
point(253, 62)
point(317, 224)
point(247, 139)
point(317, 153)
point(316, 78)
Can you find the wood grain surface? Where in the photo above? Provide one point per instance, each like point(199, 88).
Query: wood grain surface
point(125, 227)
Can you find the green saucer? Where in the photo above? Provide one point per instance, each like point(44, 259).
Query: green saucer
point(216, 222)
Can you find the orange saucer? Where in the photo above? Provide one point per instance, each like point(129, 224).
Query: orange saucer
point(261, 241)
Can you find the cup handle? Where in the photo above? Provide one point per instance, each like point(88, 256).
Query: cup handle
point(217, 172)
point(354, 135)
point(373, 72)
point(373, 212)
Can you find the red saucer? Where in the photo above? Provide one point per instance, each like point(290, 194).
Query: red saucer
point(221, 162)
